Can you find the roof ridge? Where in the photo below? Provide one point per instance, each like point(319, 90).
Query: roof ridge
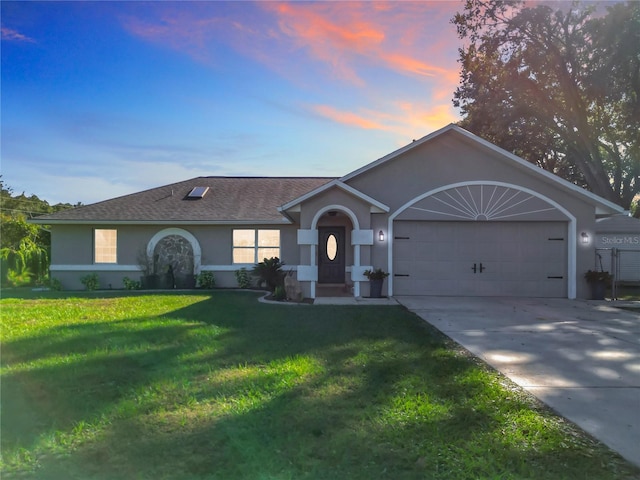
point(267, 177)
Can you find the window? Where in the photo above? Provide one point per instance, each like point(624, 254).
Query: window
point(253, 246)
point(198, 192)
point(105, 246)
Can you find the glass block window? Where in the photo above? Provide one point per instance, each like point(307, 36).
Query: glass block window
point(254, 245)
point(105, 245)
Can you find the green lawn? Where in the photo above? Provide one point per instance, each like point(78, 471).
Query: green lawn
point(219, 386)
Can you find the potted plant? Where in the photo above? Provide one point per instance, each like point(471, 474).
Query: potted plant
point(376, 279)
point(598, 282)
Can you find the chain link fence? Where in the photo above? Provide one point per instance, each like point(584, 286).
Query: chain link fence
point(622, 264)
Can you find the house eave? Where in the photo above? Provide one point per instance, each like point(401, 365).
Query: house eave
point(284, 221)
point(375, 205)
point(602, 206)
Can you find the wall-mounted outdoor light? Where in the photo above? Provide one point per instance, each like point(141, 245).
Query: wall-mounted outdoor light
point(381, 236)
point(585, 237)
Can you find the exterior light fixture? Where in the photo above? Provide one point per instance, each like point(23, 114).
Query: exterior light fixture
point(585, 237)
point(381, 236)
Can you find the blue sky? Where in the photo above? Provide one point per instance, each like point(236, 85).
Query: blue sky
point(102, 99)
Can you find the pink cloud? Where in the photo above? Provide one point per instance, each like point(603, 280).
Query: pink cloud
point(346, 118)
point(350, 36)
point(351, 43)
point(403, 118)
point(180, 32)
point(11, 35)
point(347, 38)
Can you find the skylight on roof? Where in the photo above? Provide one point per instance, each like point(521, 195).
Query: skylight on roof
point(198, 192)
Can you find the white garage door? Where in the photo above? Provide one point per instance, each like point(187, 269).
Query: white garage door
point(526, 259)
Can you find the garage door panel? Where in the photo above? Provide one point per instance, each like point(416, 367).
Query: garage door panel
point(518, 258)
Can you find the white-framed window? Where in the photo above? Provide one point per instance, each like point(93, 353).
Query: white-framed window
point(105, 245)
point(251, 245)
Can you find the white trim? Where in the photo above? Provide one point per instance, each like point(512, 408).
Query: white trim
point(307, 273)
point(238, 266)
point(342, 208)
point(361, 237)
point(95, 267)
point(307, 237)
point(188, 236)
point(603, 206)
point(571, 229)
point(377, 207)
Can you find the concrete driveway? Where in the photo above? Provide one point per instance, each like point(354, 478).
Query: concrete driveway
point(581, 358)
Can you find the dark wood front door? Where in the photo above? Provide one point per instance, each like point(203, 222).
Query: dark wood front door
point(331, 255)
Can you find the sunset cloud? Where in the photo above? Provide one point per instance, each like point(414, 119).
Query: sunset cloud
point(347, 118)
point(11, 35)
point(405, 119)
point(217, 87)
point(351, 36)
point(348, 38)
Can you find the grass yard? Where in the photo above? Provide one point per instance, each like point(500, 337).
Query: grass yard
point(218, 386)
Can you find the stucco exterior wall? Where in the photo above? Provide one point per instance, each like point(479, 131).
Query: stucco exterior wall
point(72, 252)
point(450, 159)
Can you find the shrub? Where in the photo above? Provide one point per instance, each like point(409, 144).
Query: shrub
point(279, 293)
point(131, 284)
point(19, 277)
point(243, 278)
point(206, 280)
point(376, 274)
point(90, 281)
point(269, 273)
point(55, 284)
point(595, 276)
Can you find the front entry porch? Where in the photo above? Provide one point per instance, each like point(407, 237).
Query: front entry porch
point(334, 290)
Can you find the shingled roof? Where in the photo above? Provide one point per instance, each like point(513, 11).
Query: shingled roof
point(228, 200)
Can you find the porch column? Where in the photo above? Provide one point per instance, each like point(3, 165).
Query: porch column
point(308, 273)
point(358, 238)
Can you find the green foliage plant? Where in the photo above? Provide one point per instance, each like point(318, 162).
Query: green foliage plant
point(557, 86)
point(593, 276)
point(24, 247)
point(55, 284)
point(19, 277)
point(279, 293)
point(269, 273)
point(375, 274)
point(90, 281)
point(206, 280)
point(243, 278)
point(131, 284)
point(23, 254)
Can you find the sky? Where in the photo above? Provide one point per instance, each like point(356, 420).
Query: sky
point(102, 99)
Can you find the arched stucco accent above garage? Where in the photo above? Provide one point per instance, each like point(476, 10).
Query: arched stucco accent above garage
point(482, 200)
point(486, 202)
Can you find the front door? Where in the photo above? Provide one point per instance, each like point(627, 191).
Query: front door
point(331, 255)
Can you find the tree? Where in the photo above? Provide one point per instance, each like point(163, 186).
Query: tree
point(24, 250)
point(24, 247)
point(28, 207)
point(558, 88)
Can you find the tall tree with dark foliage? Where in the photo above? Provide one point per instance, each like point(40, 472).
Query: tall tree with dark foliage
point(560, 88)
